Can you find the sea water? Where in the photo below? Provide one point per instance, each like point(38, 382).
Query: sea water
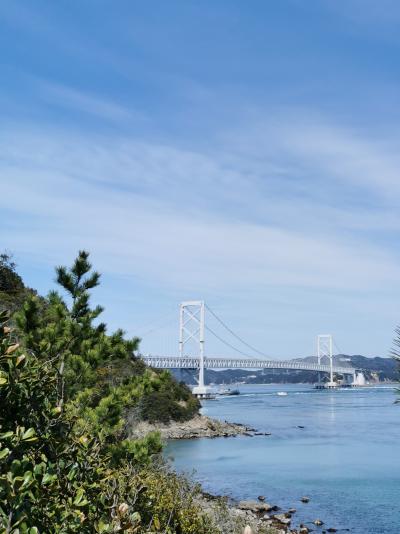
point(341, 448)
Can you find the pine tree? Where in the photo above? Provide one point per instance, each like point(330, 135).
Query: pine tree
point(67, 463)
point(65, 330)
point(12, 289)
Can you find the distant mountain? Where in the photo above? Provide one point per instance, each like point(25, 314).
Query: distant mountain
point(375, 369)
point(383, 368)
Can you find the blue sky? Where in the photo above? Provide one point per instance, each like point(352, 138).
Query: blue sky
point(246, 153)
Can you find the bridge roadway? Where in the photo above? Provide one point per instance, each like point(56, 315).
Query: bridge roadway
point(185, 362)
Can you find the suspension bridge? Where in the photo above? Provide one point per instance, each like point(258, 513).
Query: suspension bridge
point(192, 326)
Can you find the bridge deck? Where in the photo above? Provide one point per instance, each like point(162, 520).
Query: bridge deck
point(176, 362)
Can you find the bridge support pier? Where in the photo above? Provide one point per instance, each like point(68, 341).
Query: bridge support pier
point(191, 327)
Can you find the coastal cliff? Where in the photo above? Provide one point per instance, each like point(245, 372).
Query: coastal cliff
point(200, 426)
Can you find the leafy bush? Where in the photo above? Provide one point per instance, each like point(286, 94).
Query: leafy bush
point(51, 476)
point(66, 464)
point(163, 406)
point(12, 289)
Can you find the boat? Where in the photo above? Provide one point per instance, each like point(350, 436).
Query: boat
point(282, 393)
point(228, 391)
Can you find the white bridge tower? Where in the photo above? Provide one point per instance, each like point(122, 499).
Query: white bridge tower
point(191, 329)
point(325, 350)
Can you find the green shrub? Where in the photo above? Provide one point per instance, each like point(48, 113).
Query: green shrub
point(13, 292)
point(66, 463)
point(54, 480)
point(171, 400)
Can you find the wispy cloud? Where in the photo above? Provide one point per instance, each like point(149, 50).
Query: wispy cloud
point(220, 221)
point(367, 163)
point(188, 217)
point(261, 172)
point(78, 100)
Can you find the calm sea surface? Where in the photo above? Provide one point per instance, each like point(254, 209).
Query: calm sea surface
point(346, 458)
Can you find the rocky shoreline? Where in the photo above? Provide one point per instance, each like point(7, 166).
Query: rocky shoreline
point(257, 517)
point(200, 426)
point(244, 517)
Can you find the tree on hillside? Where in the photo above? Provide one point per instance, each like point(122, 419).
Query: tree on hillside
point(10, 281)
point(66, 329)
point(13, 291)
point(99, 376)
point(67, 463)
point(56, 480)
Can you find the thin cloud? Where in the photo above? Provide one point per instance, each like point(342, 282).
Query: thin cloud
point(68, 97)
point(136, 227)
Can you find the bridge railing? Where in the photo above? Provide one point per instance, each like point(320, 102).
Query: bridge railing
point(186, 362)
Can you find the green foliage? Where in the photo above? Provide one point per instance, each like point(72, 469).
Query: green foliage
point(172, 401)
point(100, 377)
point(170, 500)
point(66, 389)
point(67, 331)
point(10, 281)
point(37, 485)
point(12, 289)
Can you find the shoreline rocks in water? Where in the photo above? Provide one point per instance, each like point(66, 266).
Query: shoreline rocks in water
point(250, 514)
point(254, 506)
point(200, 426)
point(233, 517)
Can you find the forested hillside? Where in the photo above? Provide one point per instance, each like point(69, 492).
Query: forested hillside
point(13, 291)
point(67, 390)
point(375, 369)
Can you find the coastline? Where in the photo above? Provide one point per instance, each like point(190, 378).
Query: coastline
point(257, 516)
point(233, 517)
point(199, 426)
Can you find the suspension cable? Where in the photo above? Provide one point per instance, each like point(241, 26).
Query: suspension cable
point(337, 347)
point(226, 342)
point(236, 335)
point(154, 327)
point(346, 362)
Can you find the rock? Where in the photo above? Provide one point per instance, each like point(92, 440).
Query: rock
point(292, 510)
point(248, 530)
point(240, 513)
point(198, 427)
point(303, 530)
point(282, 519)
point(254, 506)
point(261, 498)
point(267, 522)
point(318, 522)
point(275, 508)
point(331, 530)
point(305, 499)
point(300, 426)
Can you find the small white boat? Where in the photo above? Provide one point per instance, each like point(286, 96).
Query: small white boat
point(228, 391)
point(282, 393)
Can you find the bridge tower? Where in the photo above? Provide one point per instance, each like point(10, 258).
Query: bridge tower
point(325, 350)
point(191, 329)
